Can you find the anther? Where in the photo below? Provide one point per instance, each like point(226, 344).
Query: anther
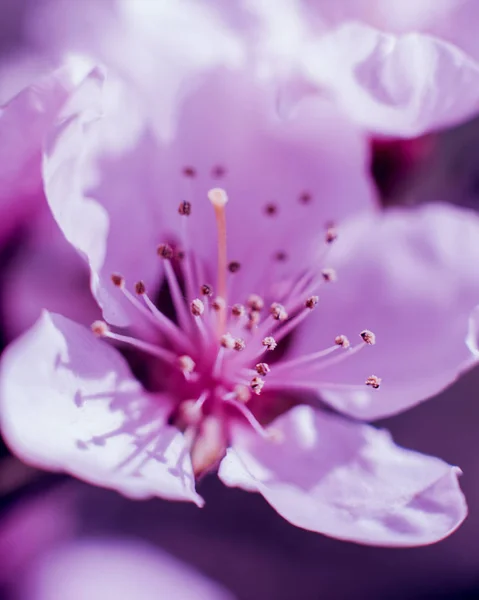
point(373, 381)
point(331, 235)
point(329, 275)
point(271, 209)
point(262, 368)
point(218, 171)
point(189, 172)
point(255, 302)
point(342, 340)
point(368, 337)
point(165, 251)
point(140, 288)
point(278, 312)
point(227, 341)
point(118, 280)
point(242, 393)
point(254, 318)
point(186, 364)
point(269, 343)
point(184, 208)
point(206, 290)
point(311, 302)
point(197, 307)
point(257, 385)
point(180, 254)
point(234, 266)
point(218, 304)
point(238, 310)
point(239, 344)
point(305, 198)
point(100, 328)
point(280, 256)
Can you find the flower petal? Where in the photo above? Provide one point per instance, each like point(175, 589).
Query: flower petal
point(409, 276)
point(69, 403)
point(347, 480)
point(284, 176)
point(399, 85)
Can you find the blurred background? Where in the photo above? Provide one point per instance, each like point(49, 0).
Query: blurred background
point(53, 530)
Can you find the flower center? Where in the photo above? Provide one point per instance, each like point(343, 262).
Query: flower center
point(219, 357)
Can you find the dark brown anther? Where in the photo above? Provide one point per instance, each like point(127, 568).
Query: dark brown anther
point(140, 288)
point(271, 209)
point(165, 251)
point(234, 266)
point(218, 304)
point(189, 172)
point(218, 171)
point(305, 198)
point(118, 280)
point(238, 310)
point(184, 208)
point(280, 256)
point(329, 275)
point(373, 381)
point(331, 235)
point(311, 302)
point(206, 290)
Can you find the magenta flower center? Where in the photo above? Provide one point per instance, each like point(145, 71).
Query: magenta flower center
point(221, 358)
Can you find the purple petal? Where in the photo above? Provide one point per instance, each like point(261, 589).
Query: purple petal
point(69, 403)
point(347, 480)
point(409, 276)
point(399, 85)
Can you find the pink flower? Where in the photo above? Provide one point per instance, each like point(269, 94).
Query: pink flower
point(236, 325)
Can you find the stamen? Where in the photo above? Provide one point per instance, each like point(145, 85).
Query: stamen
point(175, 290)
point(218, 199)
point(267, 435)
point(186, 364)
point(238, 310)
point(254, 318)
point(218, 304)
point(278, 312)
point(184, 208)
point(242, 393)
point(257, 385)
point(189, 171)
point(165, 251)
point(368, 337)
point(197, 307)
point(118, 280)
point(227, 341)
point(206, 290)
point(269, 342)
point(240, 345)
point(262, 369)
point(329, 275)
point(234, 266)
point(342, 340)
point(157, 351)
point(255, 302)
point(373, 381)
point(311, 302)
point(271, 209)
point(331, 235)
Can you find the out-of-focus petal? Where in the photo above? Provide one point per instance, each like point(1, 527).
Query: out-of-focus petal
point(399, 85)
point(347, 480)
point(69, 403)
point(115, 568)
point(409, 276)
